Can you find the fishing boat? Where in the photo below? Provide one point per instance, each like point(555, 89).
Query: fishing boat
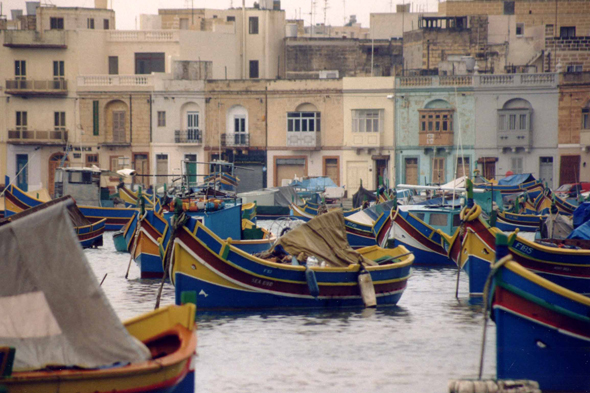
point(272, 203)
point(249, 211)
point(543, 202)
point(60, 333)
point(508, 222)
point(542, 329)
point(90, 235)
point(473, 249)
point(515, 184)
point(425, 231)
point(360, 234)
point(224, 277)
point(133, 198)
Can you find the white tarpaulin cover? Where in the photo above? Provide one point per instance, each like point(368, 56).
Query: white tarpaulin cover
point(52, 309)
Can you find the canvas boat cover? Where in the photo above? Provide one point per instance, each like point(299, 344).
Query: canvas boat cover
point(325, 238)
point(581, 233)
point(581, 214)
point(53, 309)
point(314, 183)
point(286, 195)
point(556, 226)
point(361, 195)
point(515, 180)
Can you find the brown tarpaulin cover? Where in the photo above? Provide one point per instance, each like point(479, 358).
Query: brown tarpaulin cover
point(325, 238)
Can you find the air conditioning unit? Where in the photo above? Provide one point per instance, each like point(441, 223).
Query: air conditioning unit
point(332, 74)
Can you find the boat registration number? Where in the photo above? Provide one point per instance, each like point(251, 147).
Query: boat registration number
point(264, 283)
point(523, 248)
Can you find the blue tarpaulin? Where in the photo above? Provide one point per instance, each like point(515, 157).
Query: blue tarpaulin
point(581, 233)
point(515, 180)
point(581, 214)
point(314, 183)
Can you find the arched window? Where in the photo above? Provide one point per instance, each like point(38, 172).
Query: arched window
point(117, 121)
point(191, 124)
point(515, 116)
point(237, 126)
point(306, 118)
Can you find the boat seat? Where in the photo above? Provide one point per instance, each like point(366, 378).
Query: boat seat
point(384, 260)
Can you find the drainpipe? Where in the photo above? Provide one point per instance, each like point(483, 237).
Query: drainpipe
point(130, 119)
point(244, 31)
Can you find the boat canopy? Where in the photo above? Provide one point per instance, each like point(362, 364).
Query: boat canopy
point(515, 180)
point(324, 237)
point(53, 309)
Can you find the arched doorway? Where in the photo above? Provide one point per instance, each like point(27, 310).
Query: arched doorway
point(54, 162)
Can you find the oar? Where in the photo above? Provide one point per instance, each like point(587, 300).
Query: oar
point(136, 236)
point(105, 276)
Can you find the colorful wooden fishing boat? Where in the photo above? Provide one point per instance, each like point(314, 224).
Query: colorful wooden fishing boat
point(89, 234)
point(542, 329)
point(71, 340)
point(516, 184)
point(224, 277)
point(131, 198)
point(543, 202)
point(473, 249)
point(508, 222)
point(427, 242)
point(16, 200)
point(359, 234)
point(249, 211)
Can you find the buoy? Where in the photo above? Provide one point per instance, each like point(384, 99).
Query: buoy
point(312, 282)
point(367, 288)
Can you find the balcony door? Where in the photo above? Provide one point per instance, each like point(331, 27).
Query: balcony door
point(20, 73)
point(240, 129)
point(22, 180)
point(141, 166)
point(192, 130)
point(58, 74)
point(118, 126)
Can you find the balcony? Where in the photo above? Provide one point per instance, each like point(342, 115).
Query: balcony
point(237, 139)
point(304, 140)
point(31, 87)
point(143, 36)
point(114, 82)
point(516, 81)
point(35, 137)
point(436, 139)
point(49, 39)
point(514, 139)
point(188, 136)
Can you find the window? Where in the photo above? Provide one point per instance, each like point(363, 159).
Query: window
point(519, 29)
point(58, 72)
point(231, 18)
point(183, 23)
point(508, 7)
point(94, 117)
point(419, 216)
point(436, 120)
point(105, 24)
point(20, 69)
point(463, 168)
point(303, 121)
point(192, 122)
point(367, 120)
point(254, 69)
point(253, 25)
point(240, 123)
point(56, 23)
point(438, 219)
point(21, 121)
point(59, 121)
point(91, 159)
point(161, 119)
point(90, 23)
point(586, 118)
point(567, 32)
point(116, 163)
point(456, 220)
point(518, 121)
point(502, 122)
point(146, 63)
point(517, 165)
point(113, 65)
point(80, 177)
point(119, 126)
point(574, 67)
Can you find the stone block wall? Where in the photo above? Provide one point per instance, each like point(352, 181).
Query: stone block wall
point(574, 95)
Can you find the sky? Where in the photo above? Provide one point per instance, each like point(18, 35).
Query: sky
point(128, 10)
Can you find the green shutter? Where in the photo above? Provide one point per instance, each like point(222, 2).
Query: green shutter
point(95, 117)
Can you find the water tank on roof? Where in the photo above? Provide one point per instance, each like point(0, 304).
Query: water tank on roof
point(265, 4)
point(32, 7)
point(469, 62)
point(276, 5)
point(291, 30)
point(16, 14)
point(101, 4)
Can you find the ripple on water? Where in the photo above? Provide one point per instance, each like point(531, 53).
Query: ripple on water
point(429, 338)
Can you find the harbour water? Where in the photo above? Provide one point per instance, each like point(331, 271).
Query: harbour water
point(429, 338)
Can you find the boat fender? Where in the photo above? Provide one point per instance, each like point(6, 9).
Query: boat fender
point(312, 282)
point(367, 288)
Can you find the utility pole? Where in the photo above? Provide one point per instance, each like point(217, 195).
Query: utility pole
point(325, 15)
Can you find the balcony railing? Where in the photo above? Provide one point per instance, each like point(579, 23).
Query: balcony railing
point(304, 140)
point(114, 82)
point(142, 36)
point(53, 39)
point(36, 87)
point(53, 137)
point(188, 136)
point(515, 139)
point(516, 80)
point(237, 139)
point(435, 139)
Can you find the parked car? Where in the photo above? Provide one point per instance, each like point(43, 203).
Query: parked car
point(572, 190)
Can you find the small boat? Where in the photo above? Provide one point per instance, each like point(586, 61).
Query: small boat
point(473, 249)
point(516, 184)
point(60, 332)
point(508, 222)
point(132, 198)
point(272, 203)
point(543, 202)
point(224, 277)
point(425, 231)
point(542, 329)
point(89, 234)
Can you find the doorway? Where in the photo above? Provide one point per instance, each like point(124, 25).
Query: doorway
point(55, 161)
point(546, 170)
point(190, 161)
point(141, 166)
point(380, 172)
point(332, 169)
point(569, 171)
point(22, 180)
point(411, 169)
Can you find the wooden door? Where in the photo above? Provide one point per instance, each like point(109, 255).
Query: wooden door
point(411, 168)
point(191, 169)
point(438, 170)
point(118, 126)
point(141, 166)
point(380, 175)
point(22, 180)
point(356, 173)
point(489, 169)
point(332, 169)
point(569, 171)
point(54, 162)
point(287, 169)
point(462, 167)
